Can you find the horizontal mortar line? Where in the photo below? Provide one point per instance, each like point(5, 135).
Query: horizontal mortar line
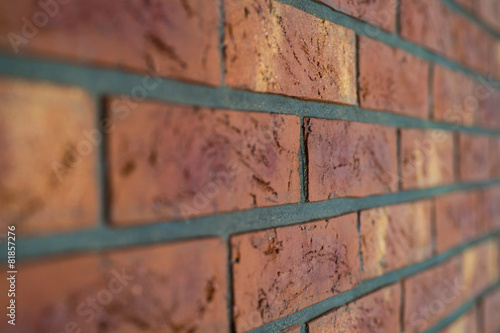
point(365, 288)
point(224, 225)
point(104, 82)
point(463, 309)
point(362, 28)
point(472, 17)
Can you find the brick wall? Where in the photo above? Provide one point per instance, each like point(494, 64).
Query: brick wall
point(251, 165)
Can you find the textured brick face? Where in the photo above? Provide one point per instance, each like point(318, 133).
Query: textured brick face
point(398, 83)
point(377, 312)
point(275, 48)
point(177, 38)
point(490, 198)
point(168, 288)
point(174, 162)
point(474, 157)
point(432, 295)
point(457, 219)
point(279, 271)
point(349, 159)
point(467, 323)
point(480, 267)
point(379, 12)
point(491, 308)
point(395, 236)
point(47, 162)
point(426, 158)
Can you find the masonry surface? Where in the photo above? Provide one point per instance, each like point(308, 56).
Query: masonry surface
point(251, 165)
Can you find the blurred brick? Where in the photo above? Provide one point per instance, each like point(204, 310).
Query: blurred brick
point(490, 199)
point(457, 219)
point(480, 267)
point(489, 11)
point(177, 38)
point(432, 295)
point(426, 158)
point(274, 48)
point(350, 159)
point(468, 5)
point(466, 323)
point(292, 329)
point(173, 162)
point(454, 97)
point(47, 157)
point(398, 83)
point(489, 101)
point(394, 237)
point(279, 271)
point(377, 312)
point(474, 157)
point(491, 308)
point(169, 288)
point(381, 13)
point(494, 157)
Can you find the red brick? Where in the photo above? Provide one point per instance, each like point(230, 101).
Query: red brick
point(166, 288)
point(377, 312)
point(381, 13)
point(466, 323)
point(454, 99)
point(488, 113)
point(474, 157)
point(491, 306)
point(480, 267)
point(490, 200)
point(174, 38)
point(349, 159)
point(494, 157)
point(279, 271)
point(489, 11)
point(432, 295)
point(457, 219)
point(398, 83)
point(394, 237)
point(466, 4)
point(47, 161)
point(426, 158)
point(274, 48)
point(172, 162)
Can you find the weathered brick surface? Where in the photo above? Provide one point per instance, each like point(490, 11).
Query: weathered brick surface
point(279, 271)
point(474, 157)
point(426, 158)
point(349, 159)
point(457, 219)
point(491, 309)
point(381, 13)
point(173, 38)
point(274, 48)
point(395, 236)
point(168, 288)
point(431, 295)
point(377, 312)
point(173, 162)
point(467, 323)
point(454, 97)
point(392, 84)
point(47, 161)
point(480, 267)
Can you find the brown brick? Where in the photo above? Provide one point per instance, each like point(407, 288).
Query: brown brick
point(170, 37)
point(474, 157)
point(166, 288)
point(398, 83)
point(173, 162)
point(431, 295)
point(454, 99)
point(279, 271)
point(426, 158)
point(47, 157)
point(381, 13)
point(480, 267)
point(274, 48)
point(491, 209)
point(466, 323)
point(292, 329)
point(349, 159)
point(466, 4)
point(395, 236)
point(491, 310)
point(494, 157)
point(377, 312)
point(488, 113)
point(457, 219)
point(489, 12)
